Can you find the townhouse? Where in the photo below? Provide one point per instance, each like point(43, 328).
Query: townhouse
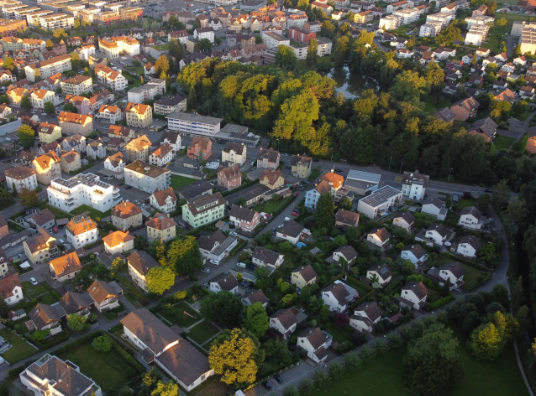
point(414, 185)
point(224, 282)
point(47, 167)
point(40, 248)
point(162, 227)
point(49, 67)
point(146, 177)
point(110, 113)
point(203, 210)
point(111, 78)
point(72, 123)
point(162, 155)
point(126, 215)
point(139, 115)
point(244, 218)
point(138, 149)
point(116, 164)
point(77, 85)
point(118, 242)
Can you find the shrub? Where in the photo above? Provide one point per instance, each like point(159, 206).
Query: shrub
point(181, 294)
point(103, 343)
point(345, 346)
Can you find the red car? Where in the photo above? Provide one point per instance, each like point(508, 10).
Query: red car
point(55, 229)
point(296, 193)
point(294, 214)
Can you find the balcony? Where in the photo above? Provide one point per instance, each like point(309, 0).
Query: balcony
point(64, 192)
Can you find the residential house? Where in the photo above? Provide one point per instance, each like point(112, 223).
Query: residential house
point(48, 133)
point(293, 232)
point(414, 253)
point(406, 221)
point(336, 297)
point(254, 296)
point(330, 182)
point(244, 218)
point(365, 318)
point(161, 227)
point(11, 289)
point(267, 258)
point(216, 246)
point(138, 149)
point(315, 343)
point(284, 322)
point(465, 108)
point(65, 267)
point(95, 149)
point(173, 139)
point(234, 153)
point(224, 282)
point(196, 190)
point(170, 104)
point(469, 246)
point(81, 103)
point(271, 179)
point(268, 158)
point(116, 164)
point(109, 113)
point(38, 98)
point(345, 218)
point(230, 177)
point(162, 155)
point(75, 142)
point(19, 178)
point(435, 234)
point(414, 185)
point(81, 231)
point(413, 295)
point(139, 264)
point(485, 127)
point(434, 207)
point(303, 276)
point(104, 296)
point(44, 317)
point(70, 161)
point(453, 274)
point(43, 219)
point(380, 274)
point(164, 200)
point(73, 303)
point(139, 115)
point(118, 242)
point(40, 248)
point(204, 210)
point(126, 215)
point(379, 202)
point(47, 167)
point(147, 177)
point(471, 218)
point(379, 237)
point(72, 123)
point(200, 149)
point(301, 166)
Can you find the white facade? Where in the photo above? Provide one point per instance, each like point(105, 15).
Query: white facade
point(476, 35)
point(39, 97)
point(432, 209)
point(146, 177)
point(312, 350)
point(378, 203)
point(466, 249)
point(204, 33)
point(28, 181)
point(194, 124)
point(443, 18)
point(407, 16)
point(430, 29)
point(388, 22)
point(83, 189)
point(274, 40)
point(147, 91)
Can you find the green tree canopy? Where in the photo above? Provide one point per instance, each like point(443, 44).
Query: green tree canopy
point(25, 103)
point(185, 256)
point(49, 108)
point(486, 342)
point(223, 307)
point(160, 279)
point(29, 198)
point(256, 319)
point(285, 57)
point(77, 322)
point(103, 343)
point(325, 212)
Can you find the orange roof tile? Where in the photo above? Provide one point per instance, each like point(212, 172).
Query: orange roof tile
point(117, 238)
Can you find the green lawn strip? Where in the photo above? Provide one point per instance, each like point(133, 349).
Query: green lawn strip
point(133, 292)
point(106, 369)
point(49, 298)
point(502, 142)
point(465, 203)
point(178, 317)
point(341, 334)
point(33, 291)
point(314, 174)
point(203, 331)
point(20, 350)
point(58, 212)
point(162, 47)
point(93, 213)
point(472, 277)
point(180, 181)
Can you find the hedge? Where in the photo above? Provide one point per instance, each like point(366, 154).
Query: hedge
point(355, 282)
point(362, 299)
point(21, 213)
point(282, 207)
point(128, 358)
point(78, 341)
point(440, 302)
point(331, 280)
point(14, 372)
point(66, 335)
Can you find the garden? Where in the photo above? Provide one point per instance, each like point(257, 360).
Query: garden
point(180, 181)
point(180, 314)
point(202, 332)
point(20, 349)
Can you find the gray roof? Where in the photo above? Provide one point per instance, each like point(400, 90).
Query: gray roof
point(73, 302)
point(348, 252)
point(307, 273)
point(339, 292)
point(255, 296)
point(10, 127)
point(185, 362)
point(42, 315)
point(142, 261)
point(195, 189)
point(381, 196)
point(371, 309)
point(471, 210)
point(286, 317)
point(236, 147)
point(291, 228)
point(382, 270)
point(265, 255)
point(434, 201)
point(382, 233)
point(471, 240)
point(417, 250)
point(373, 178)
point(315, 336)
point(417, 287)
point(415, 178)
point(226, 281)
point(242, 213)
point(408, 217)
point(439, 228)
point(455, 268)
point(195, 118)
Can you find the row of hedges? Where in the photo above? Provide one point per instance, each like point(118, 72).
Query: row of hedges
point(245, 185)
point(128, 358)
point(283, 207)
point(331, 280)
point(357, 283)
point(58, 340)
point(79, 341)
point(439, 303)
point(362, 299)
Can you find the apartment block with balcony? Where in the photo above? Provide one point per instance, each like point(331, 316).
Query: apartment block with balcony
point(126, 215)
point(48, 132)
point(204, 210)
point(39, 97)
point(111, 78)
point(83, 189)
point(170, 104)
point(194, 125)
point(49, 67)
point(146, 177)
point(147, 91)
point(20, 177)
point(81, 231)
point(162, 227)
point(72, 123)
point(77, 85)
point(57, 21)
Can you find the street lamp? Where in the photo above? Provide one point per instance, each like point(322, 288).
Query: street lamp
point(390, 164)
point(277, 144)
point(448, 180)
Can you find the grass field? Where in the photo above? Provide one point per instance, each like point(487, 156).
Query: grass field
point(270, 206)
point(106, 369)
point(500, 377)
point(203, 331)
point(341, 334)
point(465, 203)
point(30, 290)
point(133, 294)
point(471, 277)
point(93, 213)
point(178, 317)
point(49, 298)
point(181, 181)
point(162, 47)
point(19, 351)
point(502, 142)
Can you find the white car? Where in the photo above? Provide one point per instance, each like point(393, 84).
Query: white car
point(33, 281)
point(233, 233)
point(205, 270)
point(44, 114)
point(214, 262)
point(241, 265)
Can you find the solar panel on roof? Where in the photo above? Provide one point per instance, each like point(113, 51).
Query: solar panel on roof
point(383, 270)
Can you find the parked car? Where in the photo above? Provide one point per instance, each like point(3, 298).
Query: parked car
point(33, 281)
point(315, 160)
point(205, 270)
point(296, 193)
point(267, 385)
point(241, 265)
point(278, 378)
point(233, 233)
point(295, 214)
point(339, 170)
point(55, 229)
point(488, 190)
point(214, 262)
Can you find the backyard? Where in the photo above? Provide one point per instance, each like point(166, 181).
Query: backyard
point(20, 350)
point(180, 181)
point(473, 277)
point(181, 315)
point(502, 142)
point(203, 331)
point(133, 293)
point(271, 206)
point(162, 47)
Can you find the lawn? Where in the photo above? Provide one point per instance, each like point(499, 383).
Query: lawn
point(106, 369)
point(133, 294)
point(271, 205)
point(93, 213)
point(340, 334)
point(501, 377)
point(20, 350)
point(203, 331)
point(177, 316)
point(181, 181)
point(162, 47)
point(473, 277)
point(49, 298)
point(465, 203)
point(502, 142)
point(30, 290)
point(314, 174)
point(434, 103)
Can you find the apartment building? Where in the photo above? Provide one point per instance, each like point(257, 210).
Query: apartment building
point(164, 201)
point(162, 155)
point(74, 142)
point(118, 242)
point(430, 29)
point(16, 95)
point(274, 40)
point(116, 164)
point(40, 248)
point(170, 104)
point(95, 149)
point(9, 27)
point(234, 153)
point(75, 123)
point(49, 67)
point(130, 13)
point(111, 78)
point(70, 161)
point(477, 35)
point(39, 97)
point(34, 18)
point(83, 189)
point(113, 47)
point(202, 33)
point(126, 215)
point(139, 115)
point(81, 231)
point(48, 132)
point(204, 210)
point(122, 132)
point(407, 15)
point(138, 149)
point(162, 227)
point(147, 177)
point(81, 103)
point(194, 125)
point(139, 264)
point(110, 113)
point(20, 177)
point(77, 85)
point(147, 91)
point(47, 167)
point(56, 21)
point(30, 44)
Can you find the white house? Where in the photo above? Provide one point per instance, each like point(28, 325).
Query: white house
point(452, 273)
point(284, 321)
point(414, 185)
point(435, 234)
point(204, 33)
point(347, 253)
point(118, 242)
point(234, 153)
point(336, 297)
point(380, 273)
point(414, 253)
point(20, 177)
point(207, 209)
point(413, 295)
point(254, 296)
point(469, 246)
point(81, 231)
point(292, 232)
point(405, 221)
point(104, 296)
point(379, 237)
point(224, 282)
point(330, 183)
point(146, 177)
point(95, 149)
point(365, 317)
point(216, 246)
point(315, 343)
point(267, 258)
point(162, 155)
point(164, 201)
point(303, 276)
point(83, 189)
point(434, 207)
point(471, 218)
point(116, 164)
point(379, 202)
point(11, 289)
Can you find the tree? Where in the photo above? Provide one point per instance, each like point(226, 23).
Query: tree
point(166, 389)
point(203, 45)
point(77, 322)
point(350, 16)
point(340, 51)
point(25, 103)
point(492, 7)
point(192, 99)
point(49, 107)
point(140, 242)
point(4, 99)
point(155, 25)
point(117, 264)
point(312, 53)
point(285, 57)
point(258, 39)
point(40, 335)
point(49, 44)
point(431, 365)
point(76, 61)
point(502, 22)
point(59, 33)
point(408, 87)
point(256, 320)
point(9, 63)
point(4, 308)
point(486, 342)
point(236, 356)
point(103, 343)
point(325, 212)
point(6, 199)
point(324, 313)
point(483, 202)
point(161, 64)
point(160, 279)
point(517, 50)
point(223, 307)
point(261, 272)
point(448, 35)
point(71, 108)
point(29, 198)
point(76, 24)
point(184, 255)
point(500, 195)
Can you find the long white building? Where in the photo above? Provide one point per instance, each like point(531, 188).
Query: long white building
point(194, 125)
point(83, 189)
